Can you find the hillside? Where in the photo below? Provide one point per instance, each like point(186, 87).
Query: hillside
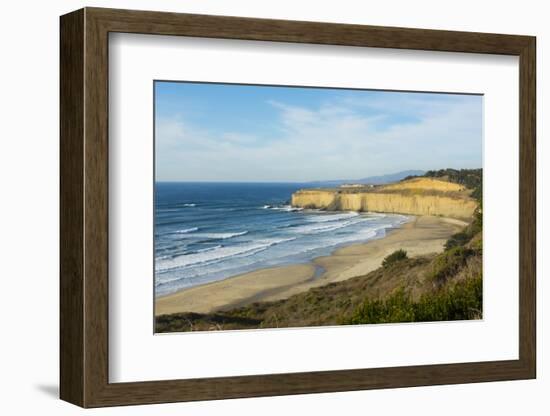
point(470, 178)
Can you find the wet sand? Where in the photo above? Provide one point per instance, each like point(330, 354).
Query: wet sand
point(423, 235)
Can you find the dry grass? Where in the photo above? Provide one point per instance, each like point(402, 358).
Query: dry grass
point(416, 186)
point(425, 184)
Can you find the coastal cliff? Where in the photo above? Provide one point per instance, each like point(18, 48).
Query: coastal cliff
point(420, 196)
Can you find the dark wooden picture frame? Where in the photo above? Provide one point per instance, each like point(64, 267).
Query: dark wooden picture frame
point(84, 207)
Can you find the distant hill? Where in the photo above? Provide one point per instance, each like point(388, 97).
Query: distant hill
point(375, 180)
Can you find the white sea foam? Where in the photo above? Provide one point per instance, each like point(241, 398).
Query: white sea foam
point(314, 229)
point(365, 235)
point(316, 232)
point(332, 217)
point(324, 226)
point(204, 250)
point(221, 236)
point(187, 230)
point(190, 233)
point(217, 255)
point(189, 205)
point(287, 208)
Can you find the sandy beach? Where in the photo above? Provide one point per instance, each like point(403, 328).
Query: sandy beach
point(423, 235)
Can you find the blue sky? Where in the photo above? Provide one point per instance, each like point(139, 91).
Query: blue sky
point(225, 132)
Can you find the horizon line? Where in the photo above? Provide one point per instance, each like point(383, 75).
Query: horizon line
point(302, 181)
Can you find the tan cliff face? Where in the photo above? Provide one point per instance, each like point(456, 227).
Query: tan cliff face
point(414, 198)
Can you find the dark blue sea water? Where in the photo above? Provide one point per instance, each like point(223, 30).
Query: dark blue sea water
point(210, 231)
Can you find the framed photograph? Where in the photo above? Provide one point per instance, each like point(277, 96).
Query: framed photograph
point(254, 207)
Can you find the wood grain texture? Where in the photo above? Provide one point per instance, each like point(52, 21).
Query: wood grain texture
point(225, 27)
point(84, 207)
point(71, 185)
point(527, 208)
point(96, 208)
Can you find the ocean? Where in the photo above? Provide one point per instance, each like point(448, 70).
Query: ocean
point(206, 232)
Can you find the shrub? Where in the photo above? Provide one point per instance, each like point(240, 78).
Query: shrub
point(465, 236)
point(477, 224)
point(477, 245)
point(477, 193)
point(449, 263)
point(458, 239)
point(396, 308)
point(457, 302)
point(394, 257)
point(460, 301)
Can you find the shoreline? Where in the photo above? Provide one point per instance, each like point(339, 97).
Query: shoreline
point(422, 235)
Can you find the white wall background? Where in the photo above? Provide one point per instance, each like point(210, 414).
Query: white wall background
point(29, 209)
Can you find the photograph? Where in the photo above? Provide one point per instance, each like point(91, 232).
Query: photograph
point(299, 206)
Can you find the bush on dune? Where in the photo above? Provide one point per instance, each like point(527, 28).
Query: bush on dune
point(449, 263)
point(459, 302)
point(465, 236)
point(394, 257)
point(458, 239)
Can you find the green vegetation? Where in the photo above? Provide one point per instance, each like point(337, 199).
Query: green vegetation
point(394, 257)
point(465, 236)
point(448, 263)
point(191, 321)
point(462, 300)
point(456, 240)
point(458, 249)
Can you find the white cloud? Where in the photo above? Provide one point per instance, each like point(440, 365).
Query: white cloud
point(339, 139)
